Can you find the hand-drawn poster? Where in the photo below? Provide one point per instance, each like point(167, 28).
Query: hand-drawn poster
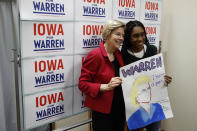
point(145, 94)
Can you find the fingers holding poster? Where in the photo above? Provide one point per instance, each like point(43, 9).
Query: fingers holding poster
point(146, 98)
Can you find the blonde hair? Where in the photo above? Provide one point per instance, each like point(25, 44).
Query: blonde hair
point(110, 26)
point(134, 90)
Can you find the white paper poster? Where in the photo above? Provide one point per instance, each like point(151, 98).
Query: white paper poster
point(93, 10)
point(146, 97)
point(88, 35)
point(46, 10)
point(126, 10)
point(151, 11)
point(46, 38)
point(47, 73)
point(46, 107)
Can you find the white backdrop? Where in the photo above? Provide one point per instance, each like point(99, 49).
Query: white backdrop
point(55, 30)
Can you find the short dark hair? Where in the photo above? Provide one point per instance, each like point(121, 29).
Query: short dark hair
point(129, 28)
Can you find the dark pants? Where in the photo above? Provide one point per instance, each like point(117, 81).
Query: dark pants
point(152, 127)
point(107, 122)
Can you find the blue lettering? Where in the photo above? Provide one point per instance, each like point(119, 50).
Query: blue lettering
point(151, 39)
point(158, 62)
point(48, 44)
point(88, 43)
point(124, 73)
point(49, 112)
point(49, 79)
point(38, 80)
point(143, 66)
point(153, 66)
point(126, 14)
point(47, 7)
point(36, 5)
point(151, 16)
point(53, 7)
point(147, 65)
point(39, 114)
point(42, 8)
point(94, 11)
point(37, 43)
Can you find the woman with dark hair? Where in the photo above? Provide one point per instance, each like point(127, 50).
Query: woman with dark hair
point(136, 47)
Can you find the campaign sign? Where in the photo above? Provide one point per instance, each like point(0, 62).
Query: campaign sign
point(88, 35)
point(145, 94)
point(79, 99)
point(46, 9)
point(47, 107)
point(126, 10)
point(151, 11)
point(78, 60)
point(46, 38)
point(153, 34)
point(96, 10)
point(47, 73)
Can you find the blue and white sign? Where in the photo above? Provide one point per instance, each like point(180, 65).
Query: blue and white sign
point(153, 34)
point(93, 10)
point(46, 38)
point(126, 10)
point(88, 35)
point(40, 74)
point(46, 107)
point(151, 11)
point(46, 10)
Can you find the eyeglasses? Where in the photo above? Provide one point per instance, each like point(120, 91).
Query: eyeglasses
point(147, 90)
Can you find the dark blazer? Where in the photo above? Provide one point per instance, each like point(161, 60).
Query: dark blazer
point(96, 70)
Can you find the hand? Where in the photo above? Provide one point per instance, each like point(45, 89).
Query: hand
point(168, 79)
point(114, 82)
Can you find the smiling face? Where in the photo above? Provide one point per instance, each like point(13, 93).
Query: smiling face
point(116, 38)
point(137, 39)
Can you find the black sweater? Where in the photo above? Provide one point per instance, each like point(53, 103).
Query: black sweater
point(128, 58)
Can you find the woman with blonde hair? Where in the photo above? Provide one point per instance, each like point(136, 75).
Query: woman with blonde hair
point(147, 111)
point(100, 80)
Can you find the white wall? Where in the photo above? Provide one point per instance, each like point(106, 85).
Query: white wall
point(179, 38)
